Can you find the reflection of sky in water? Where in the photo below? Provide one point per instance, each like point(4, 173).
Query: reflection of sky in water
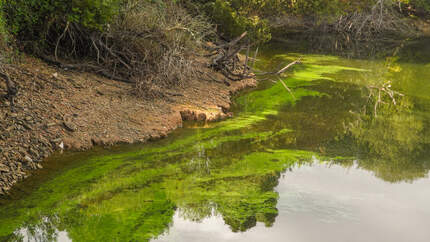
point(329, 203)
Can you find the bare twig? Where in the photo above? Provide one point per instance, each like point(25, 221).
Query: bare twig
point(245, 68)
point(231, 43)
point(60, 38)
point(286, 87)
point(288, 66)
point(255, 58)
point(282, 70)
point(384, 89)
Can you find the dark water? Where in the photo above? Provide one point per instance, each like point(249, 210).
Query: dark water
point(337, 159)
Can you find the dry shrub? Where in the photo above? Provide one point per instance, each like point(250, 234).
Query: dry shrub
point(153, 45)
point(165, 41)
point(381, 19)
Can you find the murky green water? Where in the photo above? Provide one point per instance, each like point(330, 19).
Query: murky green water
point(320, 164)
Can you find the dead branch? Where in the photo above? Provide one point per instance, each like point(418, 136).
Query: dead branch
point(86, 67)
point(60, 38)
point(282, 70)
point(384, 89)
point(231, 43)
point(286, 87)
point(245, 69)
point(12, 90)
point(255, 58)
point(225, 57)
point(288, 66)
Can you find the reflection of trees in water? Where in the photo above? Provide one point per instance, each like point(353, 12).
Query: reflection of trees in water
point(240, 201)
point(345, 45)
point(391, 129)
point(243, 212)
point(393, 141)
point(45, 230)
point(197, 211)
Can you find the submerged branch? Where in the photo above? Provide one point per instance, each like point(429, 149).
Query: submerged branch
point(384, 89)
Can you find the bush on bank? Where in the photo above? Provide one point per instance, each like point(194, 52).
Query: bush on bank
point(37, 23)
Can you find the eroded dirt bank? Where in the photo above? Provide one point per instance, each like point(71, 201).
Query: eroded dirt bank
point(57, 108)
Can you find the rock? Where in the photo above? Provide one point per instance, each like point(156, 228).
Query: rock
point(70, 126)
point(34, 152)
point(28, 159)
point(72, 144)
point(201, 117)
point(48, 125)
point(4, 168)
point(188, 115)
point(26, 126)
point(54, 141)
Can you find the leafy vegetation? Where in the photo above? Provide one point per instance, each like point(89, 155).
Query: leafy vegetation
point(34, 19)
point(41, 23)
point(4, 35)
point(419, 7)
point(235, 17)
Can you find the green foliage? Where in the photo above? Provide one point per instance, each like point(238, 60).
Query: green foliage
point(236, 16)
point(420, 6)
point(233, 21)
point(34, 19)
point(325, 7)
point(4, 35)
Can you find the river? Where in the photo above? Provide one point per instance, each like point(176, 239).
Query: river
point(343, 156)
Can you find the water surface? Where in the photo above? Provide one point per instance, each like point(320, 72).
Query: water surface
point(335, 160)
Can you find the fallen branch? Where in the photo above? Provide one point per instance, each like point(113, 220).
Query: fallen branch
point(12, 90)
point(231, 43)
point(86, 67)
point(288, 66)
point(286, 87)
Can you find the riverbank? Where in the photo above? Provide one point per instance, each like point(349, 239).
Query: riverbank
point(61, 109)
